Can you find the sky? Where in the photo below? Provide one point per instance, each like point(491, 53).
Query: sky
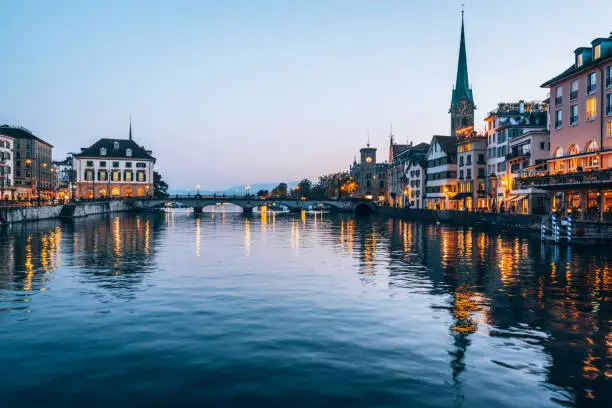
point(244, 91)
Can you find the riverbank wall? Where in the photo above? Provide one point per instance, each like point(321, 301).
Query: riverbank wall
point(511, 221)
point(23, 214)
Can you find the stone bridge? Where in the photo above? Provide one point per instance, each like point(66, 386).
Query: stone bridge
point(248, 203)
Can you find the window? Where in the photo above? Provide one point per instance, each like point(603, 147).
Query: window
point(609, 104)
point(116, 145)
point(481, 173)
point(102, 164)
point(591, 146)
point(115, 164)
point(574, 90)
point(610, 129)
point(89, 175)
point(579, 60)
point(128, 152)
point(597, 51)
point(461, 160)
point(558, 95)
point(460, 174)
point(128, 165)
point(591, 108)
point(573, 114)
point(609, 76)
point(481, 159)
point(103, 151)
point(469, 159)
point(127, 175)
point(102, 175)
point(141, 176)
point(591, 82)
point(89, 164)
point(468, 176)
point(116, 175)
point(141, 165)
point(18, 145)
point(542, 145)
point(558, 119)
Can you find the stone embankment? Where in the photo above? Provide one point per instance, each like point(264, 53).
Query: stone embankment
point(21, 214)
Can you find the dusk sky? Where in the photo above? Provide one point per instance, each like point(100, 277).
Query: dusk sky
point(240, 92)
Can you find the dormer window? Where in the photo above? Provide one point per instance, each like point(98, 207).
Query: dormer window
point(128, 152)
point(103, 151)
point(116, 145)
point(579, 60)
point(597, 51)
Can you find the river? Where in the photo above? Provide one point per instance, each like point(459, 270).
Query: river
point(172, 309)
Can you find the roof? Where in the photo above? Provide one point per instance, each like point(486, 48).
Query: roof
point(587, 64)
point(18, 132)
point(138, 152)
point(462, 85)
point(398, 148)
point(447, 143)
point(421, 146)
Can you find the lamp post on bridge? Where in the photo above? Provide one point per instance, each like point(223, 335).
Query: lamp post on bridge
point(198, 190)
point(248, 189)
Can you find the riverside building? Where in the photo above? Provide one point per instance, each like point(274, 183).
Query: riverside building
point(369, 175)
point(580, 165)
point(6, 167)
point(116, 168)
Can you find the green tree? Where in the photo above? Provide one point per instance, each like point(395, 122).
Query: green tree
point(160, 187)
point(280, 191)
point(263, 194)
point(317, 192)
point(336, 185)
point(302, 189)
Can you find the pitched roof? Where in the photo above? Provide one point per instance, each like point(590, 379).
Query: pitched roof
point(421, 146)
point(20, 133)
point(138, 152)
point(462, 84)
point(398, 148)
point(447, 143)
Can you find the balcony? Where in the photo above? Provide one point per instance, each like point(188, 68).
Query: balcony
point(517, 154)
point(568, 180)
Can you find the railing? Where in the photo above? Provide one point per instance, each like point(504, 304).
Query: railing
point(514, 155)
point(595, 176)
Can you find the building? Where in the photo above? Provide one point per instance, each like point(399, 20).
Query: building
point(400, 155)
point(503, 125)
point(528, 152)
point(441, 173)
point(118, 168)
point(462, 102)
point(33, 173)
point(415, 170)
point(6, 167)
point(580, 166)
point(66, 178)
point(369, 175)
point(471, 176)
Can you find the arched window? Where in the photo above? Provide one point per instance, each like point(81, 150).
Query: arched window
point(558, 152)
point(591, 146)
point(572, 150)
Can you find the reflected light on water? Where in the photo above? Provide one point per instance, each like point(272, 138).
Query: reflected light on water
point(197, 238)
point(247, 236)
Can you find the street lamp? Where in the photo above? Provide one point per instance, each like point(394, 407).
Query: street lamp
point(198, 189)
point(248, 189)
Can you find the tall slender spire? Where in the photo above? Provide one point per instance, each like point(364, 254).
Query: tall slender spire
point(462, 84)
point(130, 127)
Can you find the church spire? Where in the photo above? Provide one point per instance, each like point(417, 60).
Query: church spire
point(130, 127)
point(462, 84)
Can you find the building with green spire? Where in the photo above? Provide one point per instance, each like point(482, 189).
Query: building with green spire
point(462, 102)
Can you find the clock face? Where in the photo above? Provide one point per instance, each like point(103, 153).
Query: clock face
point(464, 107)
point(368, 159)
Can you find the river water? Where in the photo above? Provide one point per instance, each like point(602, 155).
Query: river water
point(172, 309)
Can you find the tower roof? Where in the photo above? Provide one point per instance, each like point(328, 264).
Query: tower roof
point(462, 85)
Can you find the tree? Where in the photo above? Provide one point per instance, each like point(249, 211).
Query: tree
point(280, 191)
point(160, 187)
point(317, 192)
point(337, 185)
point(263, 194)
point(302, 189)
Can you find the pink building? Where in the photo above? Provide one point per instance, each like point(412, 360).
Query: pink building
point(580, 164)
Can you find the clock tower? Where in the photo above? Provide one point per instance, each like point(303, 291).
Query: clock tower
point(462, 102)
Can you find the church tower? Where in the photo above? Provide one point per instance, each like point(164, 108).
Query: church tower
point(462, 102)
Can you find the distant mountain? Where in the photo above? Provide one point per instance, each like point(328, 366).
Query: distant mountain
point(238, 189)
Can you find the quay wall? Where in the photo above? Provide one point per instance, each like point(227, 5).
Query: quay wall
point(23, 214)
point(514, 221)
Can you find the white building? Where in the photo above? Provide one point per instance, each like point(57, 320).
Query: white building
point(441, 173)
point(415, 171)
point(114, 167)
point(471, 178)
point(6, 167)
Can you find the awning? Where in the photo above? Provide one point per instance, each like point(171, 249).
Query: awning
point(511, 198)
point(521, 197)
point(461, 196)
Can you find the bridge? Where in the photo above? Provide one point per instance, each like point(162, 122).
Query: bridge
point(247, 203)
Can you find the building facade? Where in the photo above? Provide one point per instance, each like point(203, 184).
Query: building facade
point(116, 168)
point(66, 178)
point(400, 157)
point(34, 176)
point(503, 125)
point(580, 166)
point(528, 152)
point(369, 175)
point(441, 173)
point(415, 170)
point(471, 173)
point(6, 167)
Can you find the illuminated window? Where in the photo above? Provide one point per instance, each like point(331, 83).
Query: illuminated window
point(558, 152)
point(609, 129)
point(116, 175)
point(597, 51)
point(591, 108)
point(579, 60)
point(573, 149)
point(591, 146)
